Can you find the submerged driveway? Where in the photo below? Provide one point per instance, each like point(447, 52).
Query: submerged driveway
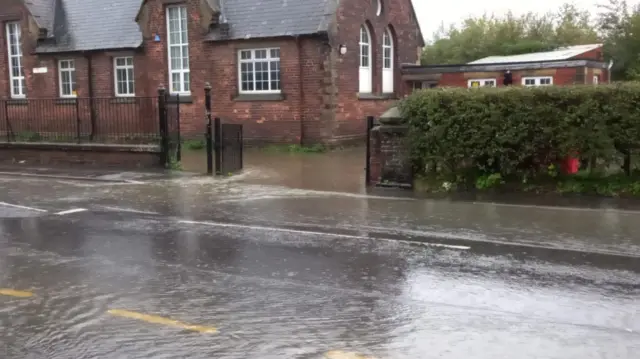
point(200, 268)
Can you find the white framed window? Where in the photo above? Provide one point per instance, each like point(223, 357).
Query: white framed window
point(259, 71)
point(537, 81)
point(178, 41)
point(17, 80)
point(123, 76)
point(365, 74)
point(474, 83)
point(67, 78)
point(387, 62)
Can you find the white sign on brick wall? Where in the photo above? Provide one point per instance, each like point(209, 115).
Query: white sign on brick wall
point(39, 70)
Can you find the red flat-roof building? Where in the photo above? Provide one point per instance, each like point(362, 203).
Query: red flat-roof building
point(582, 64)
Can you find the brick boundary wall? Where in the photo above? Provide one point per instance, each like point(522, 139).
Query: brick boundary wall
point(81, 155)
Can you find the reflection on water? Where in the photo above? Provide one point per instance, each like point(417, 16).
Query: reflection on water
point(339, 171)
point(297, 298)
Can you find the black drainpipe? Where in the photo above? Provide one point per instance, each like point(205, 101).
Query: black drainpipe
point(92, 108)
point(300, 90)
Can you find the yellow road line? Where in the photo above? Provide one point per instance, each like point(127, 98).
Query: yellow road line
point(161, 320)
point(15, 293)
point(339, 354)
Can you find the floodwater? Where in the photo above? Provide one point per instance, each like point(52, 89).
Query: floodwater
point(290, 260)
point(340, 170)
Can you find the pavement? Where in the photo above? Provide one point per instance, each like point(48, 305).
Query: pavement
point(151, 266)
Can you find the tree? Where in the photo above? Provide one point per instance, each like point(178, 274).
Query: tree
point(620, 27)
point(483, 36)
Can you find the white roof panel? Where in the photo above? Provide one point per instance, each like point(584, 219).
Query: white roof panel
point(563, 53)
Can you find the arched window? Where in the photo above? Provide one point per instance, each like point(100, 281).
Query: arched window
point(387, 62)
point(365, 75)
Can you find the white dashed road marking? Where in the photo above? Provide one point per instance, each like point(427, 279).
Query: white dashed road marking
point(69, 211)
point(22, 207)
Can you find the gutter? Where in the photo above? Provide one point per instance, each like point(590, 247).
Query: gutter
point(609, 71)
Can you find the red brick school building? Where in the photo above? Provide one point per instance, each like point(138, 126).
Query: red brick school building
point(303, 71)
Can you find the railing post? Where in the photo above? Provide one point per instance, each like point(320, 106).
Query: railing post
point(163, 126)
point(77, 120)
point(208, 136)
point(367, 167)
point(217, 125)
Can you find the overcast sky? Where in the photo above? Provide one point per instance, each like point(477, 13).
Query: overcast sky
point(432, 13)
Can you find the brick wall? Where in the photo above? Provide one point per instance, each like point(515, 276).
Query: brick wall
point(350, 110)
point(561, 76)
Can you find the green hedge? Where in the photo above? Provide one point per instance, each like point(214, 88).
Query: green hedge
point(519, 132)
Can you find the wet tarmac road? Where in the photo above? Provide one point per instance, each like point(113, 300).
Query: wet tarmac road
point(150, 270)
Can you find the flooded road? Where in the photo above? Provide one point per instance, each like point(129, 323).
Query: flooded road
point(288, 295)
point(270, 265)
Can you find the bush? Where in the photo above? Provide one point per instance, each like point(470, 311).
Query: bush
point(465, 134)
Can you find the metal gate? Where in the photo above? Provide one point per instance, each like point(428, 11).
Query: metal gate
point(367, 168)
point(228, 146)
point(173, 127)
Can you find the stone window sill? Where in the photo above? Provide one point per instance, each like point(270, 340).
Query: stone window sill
point(372, 96)
point(245, 97)
point(180, 99)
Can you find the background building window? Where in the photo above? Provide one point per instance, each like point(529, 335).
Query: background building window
point(16, 75)
point(124, 81)
point(387, 62)
point(259, 71)
point(178, 39)
point(537, 81)
point(67, 72)
point(365, 75)
point(481, 83)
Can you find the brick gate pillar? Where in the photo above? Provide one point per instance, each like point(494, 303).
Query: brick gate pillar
point(390, 163)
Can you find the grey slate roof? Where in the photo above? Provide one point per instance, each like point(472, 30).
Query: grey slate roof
point(272, 18)
point(42, 11)
point(84, 25)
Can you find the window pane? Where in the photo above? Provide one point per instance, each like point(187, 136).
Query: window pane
point(131, 87)
point(15, 67)
point(275, 53)
point(245, 55)
point(261, 54)
point(175, 58)
point(187, 82)
point(120, 61)
point(65, 78)
point(364, 36)
point(120, 75)
point(175, 82)
point(185, 57)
